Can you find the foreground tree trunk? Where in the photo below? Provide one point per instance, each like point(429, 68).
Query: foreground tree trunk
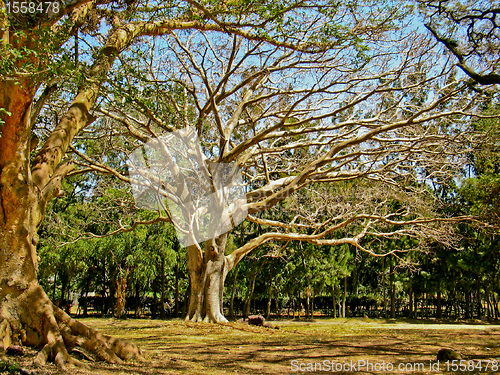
point(207, 273)
point(27, 316)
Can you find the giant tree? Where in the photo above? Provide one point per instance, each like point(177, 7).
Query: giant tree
point(362, 98)
point(293, 119)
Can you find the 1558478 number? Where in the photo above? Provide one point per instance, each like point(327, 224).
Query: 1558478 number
point(31, 7)
point(463, 365)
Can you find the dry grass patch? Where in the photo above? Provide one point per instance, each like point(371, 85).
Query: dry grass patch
point(177, 347)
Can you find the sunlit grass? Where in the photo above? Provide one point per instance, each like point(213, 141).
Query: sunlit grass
point(177, 347)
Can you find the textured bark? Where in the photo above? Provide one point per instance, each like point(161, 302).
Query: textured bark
point(495, 305)
point(27, 316)
point(207, 273)
point(121, 289)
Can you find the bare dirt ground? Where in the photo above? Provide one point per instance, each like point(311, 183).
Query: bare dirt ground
point(401, 346)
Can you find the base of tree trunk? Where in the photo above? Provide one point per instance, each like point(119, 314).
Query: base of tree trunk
point(207, 274)
point(208, 318)
point(28, 317)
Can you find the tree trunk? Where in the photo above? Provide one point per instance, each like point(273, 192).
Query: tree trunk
point(162, 287)
point(439, 313)
point(207, 273)
point(85, 298)
point(233, 292)
point(344, 297)
point(308, 302)
point(64, 287)
point(393, 290)
point(478, 298)
point(121, 292)
point(495, 305)
point(109, 303)
point(410, 305)
point(154, 307)
point(251, 289)
point(270, 293)
point(456, 305)
point(426, 304)
point(334, 301)
point(355, 279)
point(467, 304)
point(489, 307)
point(384, 288)
point(27, 316)
point(176, 295)
point(269, 300)
point(137, 299)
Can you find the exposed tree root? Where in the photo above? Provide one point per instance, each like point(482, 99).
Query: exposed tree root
point(29, 318)
point(204, 305)
point(208, 318)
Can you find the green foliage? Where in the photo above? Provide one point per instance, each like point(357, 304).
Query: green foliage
point(10, 367)
point(480, 195)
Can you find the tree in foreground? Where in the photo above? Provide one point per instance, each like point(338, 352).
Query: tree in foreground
point(294, 93)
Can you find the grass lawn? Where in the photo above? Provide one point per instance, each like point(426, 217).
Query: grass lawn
point(176, 347)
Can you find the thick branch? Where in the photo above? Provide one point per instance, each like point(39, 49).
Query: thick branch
point(319, 238)
point(483, 79)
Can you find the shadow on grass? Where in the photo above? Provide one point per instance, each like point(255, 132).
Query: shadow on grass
point(176, 347)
